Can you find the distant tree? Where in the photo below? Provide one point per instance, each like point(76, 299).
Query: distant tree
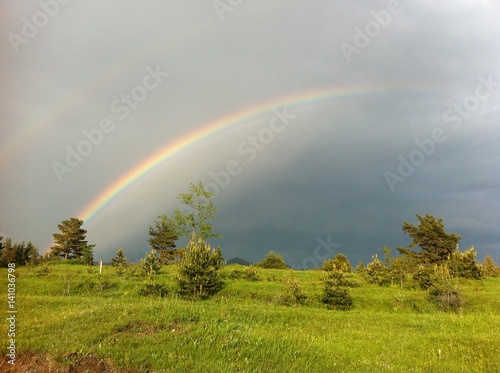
point(272, 260)
point(489, 267)
point(199, 269)
point(197, 211)
point(119, 259)
point(163, 237)
point(88, 255)
point(436, 245)
point(70, 243)
point(339, 263)
point(25, 253)
point(8, 253)
point(464, 264)
point(360, 267)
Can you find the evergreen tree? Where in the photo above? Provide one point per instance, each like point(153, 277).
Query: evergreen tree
point(119, 260)
point(70, 243)
point(25, 253)
point(199, 269)
point(88, 255)
point(436, 245)
point(8, 253)
point(272, 260)
point(163, 237)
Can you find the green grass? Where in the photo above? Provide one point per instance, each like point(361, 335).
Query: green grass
point(246, 327)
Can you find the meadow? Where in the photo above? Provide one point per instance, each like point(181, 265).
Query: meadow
point(71, 319)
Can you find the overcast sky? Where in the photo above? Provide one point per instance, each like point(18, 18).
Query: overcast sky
point(408, 121)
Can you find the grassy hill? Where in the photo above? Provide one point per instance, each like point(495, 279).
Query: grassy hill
point(70, 318)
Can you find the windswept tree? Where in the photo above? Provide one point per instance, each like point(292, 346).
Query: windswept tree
point(197, 212)
point(70, 243)
point(163, 238)
point(436, 245)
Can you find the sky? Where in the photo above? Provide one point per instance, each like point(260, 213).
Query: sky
point(320, 126)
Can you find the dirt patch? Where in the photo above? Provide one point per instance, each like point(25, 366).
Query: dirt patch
point(32, 362)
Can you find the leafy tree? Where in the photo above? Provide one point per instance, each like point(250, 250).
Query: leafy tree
point(199, 269)
point(163, 237)
point(272, 260)
point(70, 243)
point(436, 245)
point(198, 210)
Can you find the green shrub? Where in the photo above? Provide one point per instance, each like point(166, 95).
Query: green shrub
point(377, 272)
point(153, 288)
point(464, 264)
point(199, 270)
point(252, 273)
point(294, 294)
point(150, 264)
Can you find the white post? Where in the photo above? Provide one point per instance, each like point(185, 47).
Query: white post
point(100, 266)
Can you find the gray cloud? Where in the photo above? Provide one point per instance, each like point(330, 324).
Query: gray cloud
point(321, 176)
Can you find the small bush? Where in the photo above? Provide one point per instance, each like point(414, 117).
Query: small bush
point(337, 298)
point(294, 295)
point(252, 273)
point(153, 288)
point(43, 270)
point(446, 298)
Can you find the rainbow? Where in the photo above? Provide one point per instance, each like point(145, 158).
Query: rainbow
point(214, 127)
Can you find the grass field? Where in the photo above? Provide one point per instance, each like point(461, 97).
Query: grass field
point(72, 319)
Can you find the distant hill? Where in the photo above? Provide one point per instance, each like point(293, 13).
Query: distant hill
point(238, 261)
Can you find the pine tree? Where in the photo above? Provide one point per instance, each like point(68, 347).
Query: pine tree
point(70, 243)
point(199, 269)
point(119, 259)
point(436, 245)
point(163, 237)
point(8, 253)
point(272, 260)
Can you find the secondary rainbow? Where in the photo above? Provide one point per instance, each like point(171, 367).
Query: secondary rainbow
point(211, 128)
